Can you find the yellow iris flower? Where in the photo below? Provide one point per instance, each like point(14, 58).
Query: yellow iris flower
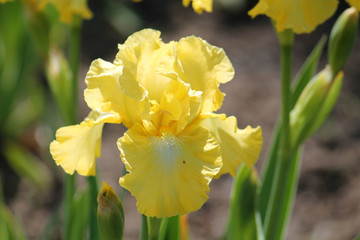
point(302, 16)
point(165, 94)
point(199, 5)
point(68, 8)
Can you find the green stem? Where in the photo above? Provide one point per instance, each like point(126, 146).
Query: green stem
point(153, 225)
point(144, 228)
point(74, 56)
point(74, 59)
point(94, 231)
point(278, 190)
point(69, 197)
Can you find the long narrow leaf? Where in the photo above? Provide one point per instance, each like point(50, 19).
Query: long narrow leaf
point(170, 228)
point(288, 198)
point(243, 220)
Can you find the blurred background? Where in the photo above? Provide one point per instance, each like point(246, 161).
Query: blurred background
point(327, 205)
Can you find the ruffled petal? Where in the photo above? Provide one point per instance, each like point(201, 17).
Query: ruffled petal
point(76, 146)
point(179, 106)
point(104, 93)
point(169, 175)
point(204, 67)
point(302, 16)
point(148, 61)
point(237, 145)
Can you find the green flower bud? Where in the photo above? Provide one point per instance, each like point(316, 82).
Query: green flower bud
point(342, 39)
point(110, 214)
point(59, 76)
point(313, 106)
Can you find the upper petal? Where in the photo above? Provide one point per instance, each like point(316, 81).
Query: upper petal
point(104, 93)
point(204, 67)
point(302, 16)
point(169, 174)
point(76, 146)
point(237, 145)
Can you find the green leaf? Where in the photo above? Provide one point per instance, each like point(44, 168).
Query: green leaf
point(170, 228)
point(27, 165)
point(144, 228)
point(282, 197)
point(26, 111)
point(153, 224)
point(307, 70)
point(79, 216)
point(244, 222)
point(269, 173)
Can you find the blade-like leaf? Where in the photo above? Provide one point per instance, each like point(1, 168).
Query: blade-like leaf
point(243, 218)
point(170, 228)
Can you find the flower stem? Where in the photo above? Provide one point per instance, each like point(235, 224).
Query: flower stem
point(74, 56)
point(144, 228)
point(273, 227)
point(153, 225)
point(94, 231)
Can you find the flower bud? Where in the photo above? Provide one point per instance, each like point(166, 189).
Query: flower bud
point(110, 214)
point(59, 76)
point(342, 39)
point(313, 106)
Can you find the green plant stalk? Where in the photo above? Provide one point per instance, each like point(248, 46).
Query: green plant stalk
point(305, 74)
point(94, 230)
point(68, 203)
point(144, 228)
point(153, 225)
point(74, 56)
point(278, 190)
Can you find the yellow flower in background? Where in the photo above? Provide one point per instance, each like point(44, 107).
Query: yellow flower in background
point(354, 3)
point(165, 94)
point(199, 5)
point(68, 8)
point(302, 16)
point(4, 1)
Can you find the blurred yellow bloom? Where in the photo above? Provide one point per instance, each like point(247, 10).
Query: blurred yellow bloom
point(302, 16)
point(199, 5)
point(68, 8)
point(4, 1)
point(165, 94)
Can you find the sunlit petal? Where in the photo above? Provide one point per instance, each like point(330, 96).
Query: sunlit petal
point(302, 16)
point(105, 94)
point(169, 175)
point(77, 146)
point(204, 67)
point(237, 145)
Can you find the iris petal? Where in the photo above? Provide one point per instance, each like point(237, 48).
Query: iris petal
point(77, 146)
point(169, 174)
point(237, 145)
point(302, 16)
point(204, 67)
point(104, 93)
